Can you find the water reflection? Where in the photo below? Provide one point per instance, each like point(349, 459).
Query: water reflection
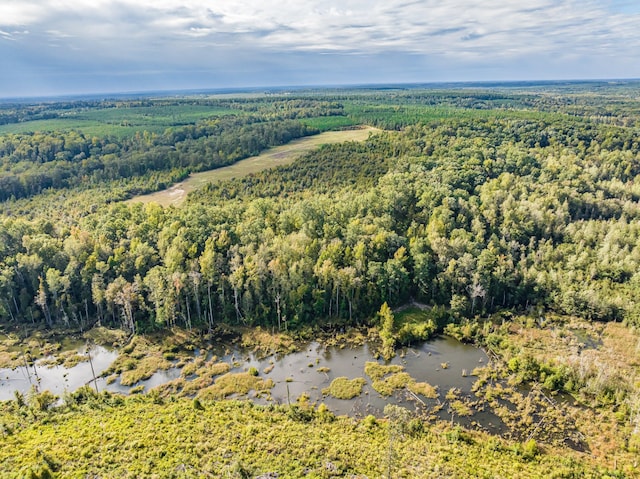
point(307, 372)
point(314, 368)
point(56, 379)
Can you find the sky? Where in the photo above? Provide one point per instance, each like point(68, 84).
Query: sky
point(64, 47)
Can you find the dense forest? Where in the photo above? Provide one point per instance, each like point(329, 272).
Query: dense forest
point(481, 205)
point(471, 212)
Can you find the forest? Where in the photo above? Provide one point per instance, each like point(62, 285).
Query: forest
point(492, 208)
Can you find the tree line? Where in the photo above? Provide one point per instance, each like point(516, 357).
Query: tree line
point(475, 215)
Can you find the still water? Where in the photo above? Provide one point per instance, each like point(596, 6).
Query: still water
point(294, 374)
point(56, 379)
point(298, 373)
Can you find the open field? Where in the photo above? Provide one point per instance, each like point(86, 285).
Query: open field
point(120, 122)
point(280, 155)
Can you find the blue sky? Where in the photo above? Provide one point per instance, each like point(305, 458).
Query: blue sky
point(51, 47)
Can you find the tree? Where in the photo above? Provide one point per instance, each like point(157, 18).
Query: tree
point(387, 329)
point(125, 295)
point(41, 300)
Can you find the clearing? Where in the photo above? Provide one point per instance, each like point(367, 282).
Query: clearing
point(279, 155)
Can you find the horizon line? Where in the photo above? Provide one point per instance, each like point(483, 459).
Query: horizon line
point(266, 89)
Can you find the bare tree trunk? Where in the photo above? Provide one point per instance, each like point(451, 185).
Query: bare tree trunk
point(210, 308)
point(10, 312)
point(186, 302)
point(93, 372)
point(236, 304)
point(278, 310)
point(16, 305)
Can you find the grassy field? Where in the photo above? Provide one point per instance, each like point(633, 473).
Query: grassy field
point(120, 122)
point(280, 155)
point(146, 437)
point(326, 123)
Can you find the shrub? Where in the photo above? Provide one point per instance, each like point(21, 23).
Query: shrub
point(345, 388)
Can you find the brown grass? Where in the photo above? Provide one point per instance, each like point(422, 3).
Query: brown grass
point(264, 342)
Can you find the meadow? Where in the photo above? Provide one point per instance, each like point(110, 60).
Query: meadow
point(271, 158)
point(121, 121)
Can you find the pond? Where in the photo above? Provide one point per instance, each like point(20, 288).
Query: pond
point(56, 379)
point(442, 362)
point(301, 373)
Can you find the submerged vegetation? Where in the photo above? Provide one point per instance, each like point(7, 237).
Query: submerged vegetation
point(504, 218)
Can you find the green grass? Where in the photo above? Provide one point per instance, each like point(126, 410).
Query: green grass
point(277, 156)
point(345, 388)
point(139, 436)
point(426, 389)
point(235, 384)
point(388, 385)
point(377, 371)
point(120, 122)
point(399, 116)
point(326, 123)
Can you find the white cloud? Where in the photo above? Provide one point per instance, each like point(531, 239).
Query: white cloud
point(217, 34)
point(454, 27)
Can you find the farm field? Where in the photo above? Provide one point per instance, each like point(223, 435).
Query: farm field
point(119, 122)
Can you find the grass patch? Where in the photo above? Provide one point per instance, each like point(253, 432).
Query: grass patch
point(10, 360)
point(144, 369)
point(263, 342)
point(235, 384)
point(204, 377)
point(345, 388)
point(326, 123)
point(377, 371)
point(137, 437)
point(120, 122)
point(395, 379)
point(388, 385)
point(66, 359)
point(105, 336)
point(277, 156)
point(425, 389)
point(137, 361)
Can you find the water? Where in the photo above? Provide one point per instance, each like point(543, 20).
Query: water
point(56, 379)
point(294, 374)
point(297, 373)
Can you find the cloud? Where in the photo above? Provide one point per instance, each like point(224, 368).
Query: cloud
point(431, 26)
point(225, 35)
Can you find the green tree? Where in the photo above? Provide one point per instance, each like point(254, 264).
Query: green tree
point(386, 321)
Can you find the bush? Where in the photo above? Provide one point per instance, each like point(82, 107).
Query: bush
point(530, 450)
